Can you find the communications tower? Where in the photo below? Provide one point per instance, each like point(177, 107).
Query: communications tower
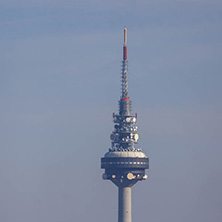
point(124, 164)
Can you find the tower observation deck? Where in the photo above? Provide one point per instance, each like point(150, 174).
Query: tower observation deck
point(124, 164)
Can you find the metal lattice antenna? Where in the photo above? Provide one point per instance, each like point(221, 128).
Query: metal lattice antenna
point(125, 68)
point(124, 103)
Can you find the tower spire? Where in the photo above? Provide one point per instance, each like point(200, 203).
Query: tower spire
point(124, 103)
point(125, 35)
point(125, 68)
point(124, 45)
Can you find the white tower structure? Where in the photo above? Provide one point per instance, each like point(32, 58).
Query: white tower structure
point(124, 164)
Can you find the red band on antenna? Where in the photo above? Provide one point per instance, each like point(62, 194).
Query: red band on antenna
point(124, 52)
point(127, 99)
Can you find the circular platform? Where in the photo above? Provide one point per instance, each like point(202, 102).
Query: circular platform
point(132, 154)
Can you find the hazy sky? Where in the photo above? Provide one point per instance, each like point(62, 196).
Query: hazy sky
point(60, 65)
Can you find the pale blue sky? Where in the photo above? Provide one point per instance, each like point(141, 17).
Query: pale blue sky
point(60, 65)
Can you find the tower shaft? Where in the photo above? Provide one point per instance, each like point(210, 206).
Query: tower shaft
point(125, 204)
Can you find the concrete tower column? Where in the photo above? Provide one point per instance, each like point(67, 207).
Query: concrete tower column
point(125, 204)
